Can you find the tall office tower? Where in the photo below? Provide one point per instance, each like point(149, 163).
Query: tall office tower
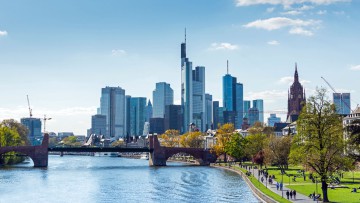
point(233, 99)
point(246, 108)
point(342, 103)
point(173, 117)
point(149, 111)
point(259, 104)
point(198, 102)
point(273, 119)
point(162, 95)
point(208, 111)
point(215, 114)
point(98, 124)
point(221, 113)
point(137, 115)
point(157, 125)
point(112, 105)
point(34, 127)
point(253, 116)
point(296, 99)
point(186, 88)
point(127, 117)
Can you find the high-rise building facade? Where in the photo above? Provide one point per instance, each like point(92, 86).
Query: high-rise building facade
point(127, 117)
point(112, 105)
point(162, 95)
point(173, 117)
point(253, 116)
point(98, 124)
point(247, 105)
point(137, 115)
point(215, 114)
point(342, 103)
point(296, 98)
point(34, 127)
point(208, 111)
point(273, 119)
point(149, 111)
point(233, 100)
point(198, 102)
point(259, 104)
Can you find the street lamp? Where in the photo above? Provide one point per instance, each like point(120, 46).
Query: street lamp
point(282, 180)
point(45, 119)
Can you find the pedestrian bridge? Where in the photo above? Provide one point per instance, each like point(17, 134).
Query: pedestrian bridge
point(158, 154)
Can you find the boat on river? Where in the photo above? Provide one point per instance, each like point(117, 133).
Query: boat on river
point(144, 156)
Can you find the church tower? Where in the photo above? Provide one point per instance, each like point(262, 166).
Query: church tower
point(296, 98)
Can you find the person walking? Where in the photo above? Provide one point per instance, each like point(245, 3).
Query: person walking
point(294, 194)
point(287, 194)
point(277, 186)
point(291, 194)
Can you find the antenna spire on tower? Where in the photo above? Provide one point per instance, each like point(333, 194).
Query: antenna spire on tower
point(185, 35)
point(227, 66)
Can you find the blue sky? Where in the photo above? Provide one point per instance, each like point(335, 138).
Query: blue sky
point(61, 53)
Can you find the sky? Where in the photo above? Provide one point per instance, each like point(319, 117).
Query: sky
point(61, 53)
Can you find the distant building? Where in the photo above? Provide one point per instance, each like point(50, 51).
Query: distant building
point(173, 117)
point(247, 105)
point(273, 119)
point(112, 105)
point(149, 111)
point(157, 126)
point(296, 99)
point(137, 115)
point(278, 128)
point(34, 127)
point(127, 117)
point(208, 111)
point(163, 95)
point(146, 129)
point(253, 116)
point(342, 103)
point(259, 104)
point(98, 124)
point(62, 135)
point(215, 114)
point(198, 102)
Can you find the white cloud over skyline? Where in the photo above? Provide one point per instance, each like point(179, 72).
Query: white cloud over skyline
point(355, 67)
point(288, 80)
point(273, 42)
point(276, 23)
point(3, 33)
point(118, 52)
point(223, 46)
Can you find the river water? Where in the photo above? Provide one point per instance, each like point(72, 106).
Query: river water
point(113, 179)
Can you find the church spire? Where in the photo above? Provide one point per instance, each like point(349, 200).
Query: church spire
point(296, 75)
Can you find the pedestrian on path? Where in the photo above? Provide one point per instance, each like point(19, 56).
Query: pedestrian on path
point(281, 186)
point(262, 179)
point(291, 193)
point(277, 186)
point(287, 194)
point(294, 194)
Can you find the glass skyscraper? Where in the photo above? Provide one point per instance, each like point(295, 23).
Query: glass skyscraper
point(198, 102)
point(137, 115)
point(342, 103)
point(98, 124)
point(208, 111)
point(163, 95)
point(259, 104)
point(34, 127)
point(112, 105)
point(246, 108)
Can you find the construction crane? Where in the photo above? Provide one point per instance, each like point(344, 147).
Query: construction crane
point(30, 110)
point(346, 104)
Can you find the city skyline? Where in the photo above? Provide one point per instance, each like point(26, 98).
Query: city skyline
point(61, 57)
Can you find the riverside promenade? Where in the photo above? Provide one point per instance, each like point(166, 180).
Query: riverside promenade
point(300, 198)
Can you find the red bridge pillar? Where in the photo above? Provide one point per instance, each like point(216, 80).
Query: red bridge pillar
point(158, 154)
point(40, 155)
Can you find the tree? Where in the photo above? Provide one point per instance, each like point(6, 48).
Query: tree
point(10, 137)
point(192, 139)
point(353, 136)
point(71, 141)
point(171, 138)
point(223, 135)
point(319, 143)
point(19, 128)
point(277, 151)
point(235, 147)
point(259, 158)
point(118, 143)
point(255, 144)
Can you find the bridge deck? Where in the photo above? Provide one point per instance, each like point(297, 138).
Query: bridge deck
point(98, 149)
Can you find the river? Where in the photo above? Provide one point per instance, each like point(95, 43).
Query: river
point(112, 179)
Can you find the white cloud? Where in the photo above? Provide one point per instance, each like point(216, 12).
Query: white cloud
point(3, 33)
point(322, 12)
point(296, 25)
point(286, 3)
point(293, 13)
point(267, 95)
point(273, 42)
point(118, 52)
point(270, 10)
point(223, 46)
point(355, 67)
point(305, 8)
point(288, 80)
point(300, 31)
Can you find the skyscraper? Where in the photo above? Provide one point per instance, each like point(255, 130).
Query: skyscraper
point(149, 111)
point(273, 119)
point(192, 93)
point(208, 111)
point(112, 105)
point(162, 95)
point(233, 99)
point(173, 117)
point(215, 114)
point(253, 116)
point(98, 124)
point(259, 104)
point(296, 99)
point(342, 103)
point(246, 108)
point(34, 127)
point(137, 115)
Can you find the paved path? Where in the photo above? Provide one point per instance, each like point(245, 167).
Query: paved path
point(300, 198)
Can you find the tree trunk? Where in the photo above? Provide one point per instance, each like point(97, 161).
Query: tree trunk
point(324, 190)
point(225, 158)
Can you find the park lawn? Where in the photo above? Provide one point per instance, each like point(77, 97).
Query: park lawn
point(335, 195)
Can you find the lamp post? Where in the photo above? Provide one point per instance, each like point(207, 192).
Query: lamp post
point(282, 180)
point(45, 119)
